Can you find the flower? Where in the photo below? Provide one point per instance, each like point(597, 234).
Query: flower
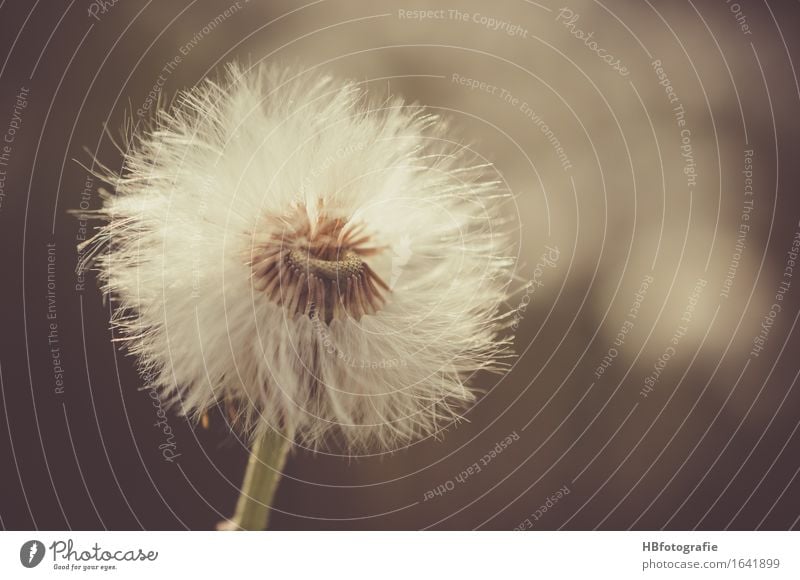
point(315, 261)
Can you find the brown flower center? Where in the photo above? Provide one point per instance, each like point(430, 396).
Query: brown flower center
point(316, 267)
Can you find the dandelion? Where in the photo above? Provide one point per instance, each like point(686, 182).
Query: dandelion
point(327, 267)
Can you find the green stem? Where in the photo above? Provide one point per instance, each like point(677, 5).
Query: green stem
point(264, 470)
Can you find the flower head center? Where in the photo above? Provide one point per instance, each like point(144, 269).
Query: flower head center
point(339, 268)
point(316, 266)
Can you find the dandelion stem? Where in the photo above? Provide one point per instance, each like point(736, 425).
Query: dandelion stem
point(261, 479)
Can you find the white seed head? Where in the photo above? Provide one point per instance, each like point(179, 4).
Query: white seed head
point(314, 261)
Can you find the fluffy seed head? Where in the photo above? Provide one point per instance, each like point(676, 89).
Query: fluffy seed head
point(309, 258)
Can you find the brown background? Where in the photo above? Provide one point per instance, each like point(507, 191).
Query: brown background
point(714, 446)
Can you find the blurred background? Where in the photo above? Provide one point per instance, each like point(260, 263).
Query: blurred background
point(652, 150)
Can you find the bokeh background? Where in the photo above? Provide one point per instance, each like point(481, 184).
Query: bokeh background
point(680, 422)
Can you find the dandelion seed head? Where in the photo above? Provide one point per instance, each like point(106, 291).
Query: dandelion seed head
point(279, 244)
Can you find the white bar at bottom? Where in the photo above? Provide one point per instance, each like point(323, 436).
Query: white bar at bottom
point(406, 555)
